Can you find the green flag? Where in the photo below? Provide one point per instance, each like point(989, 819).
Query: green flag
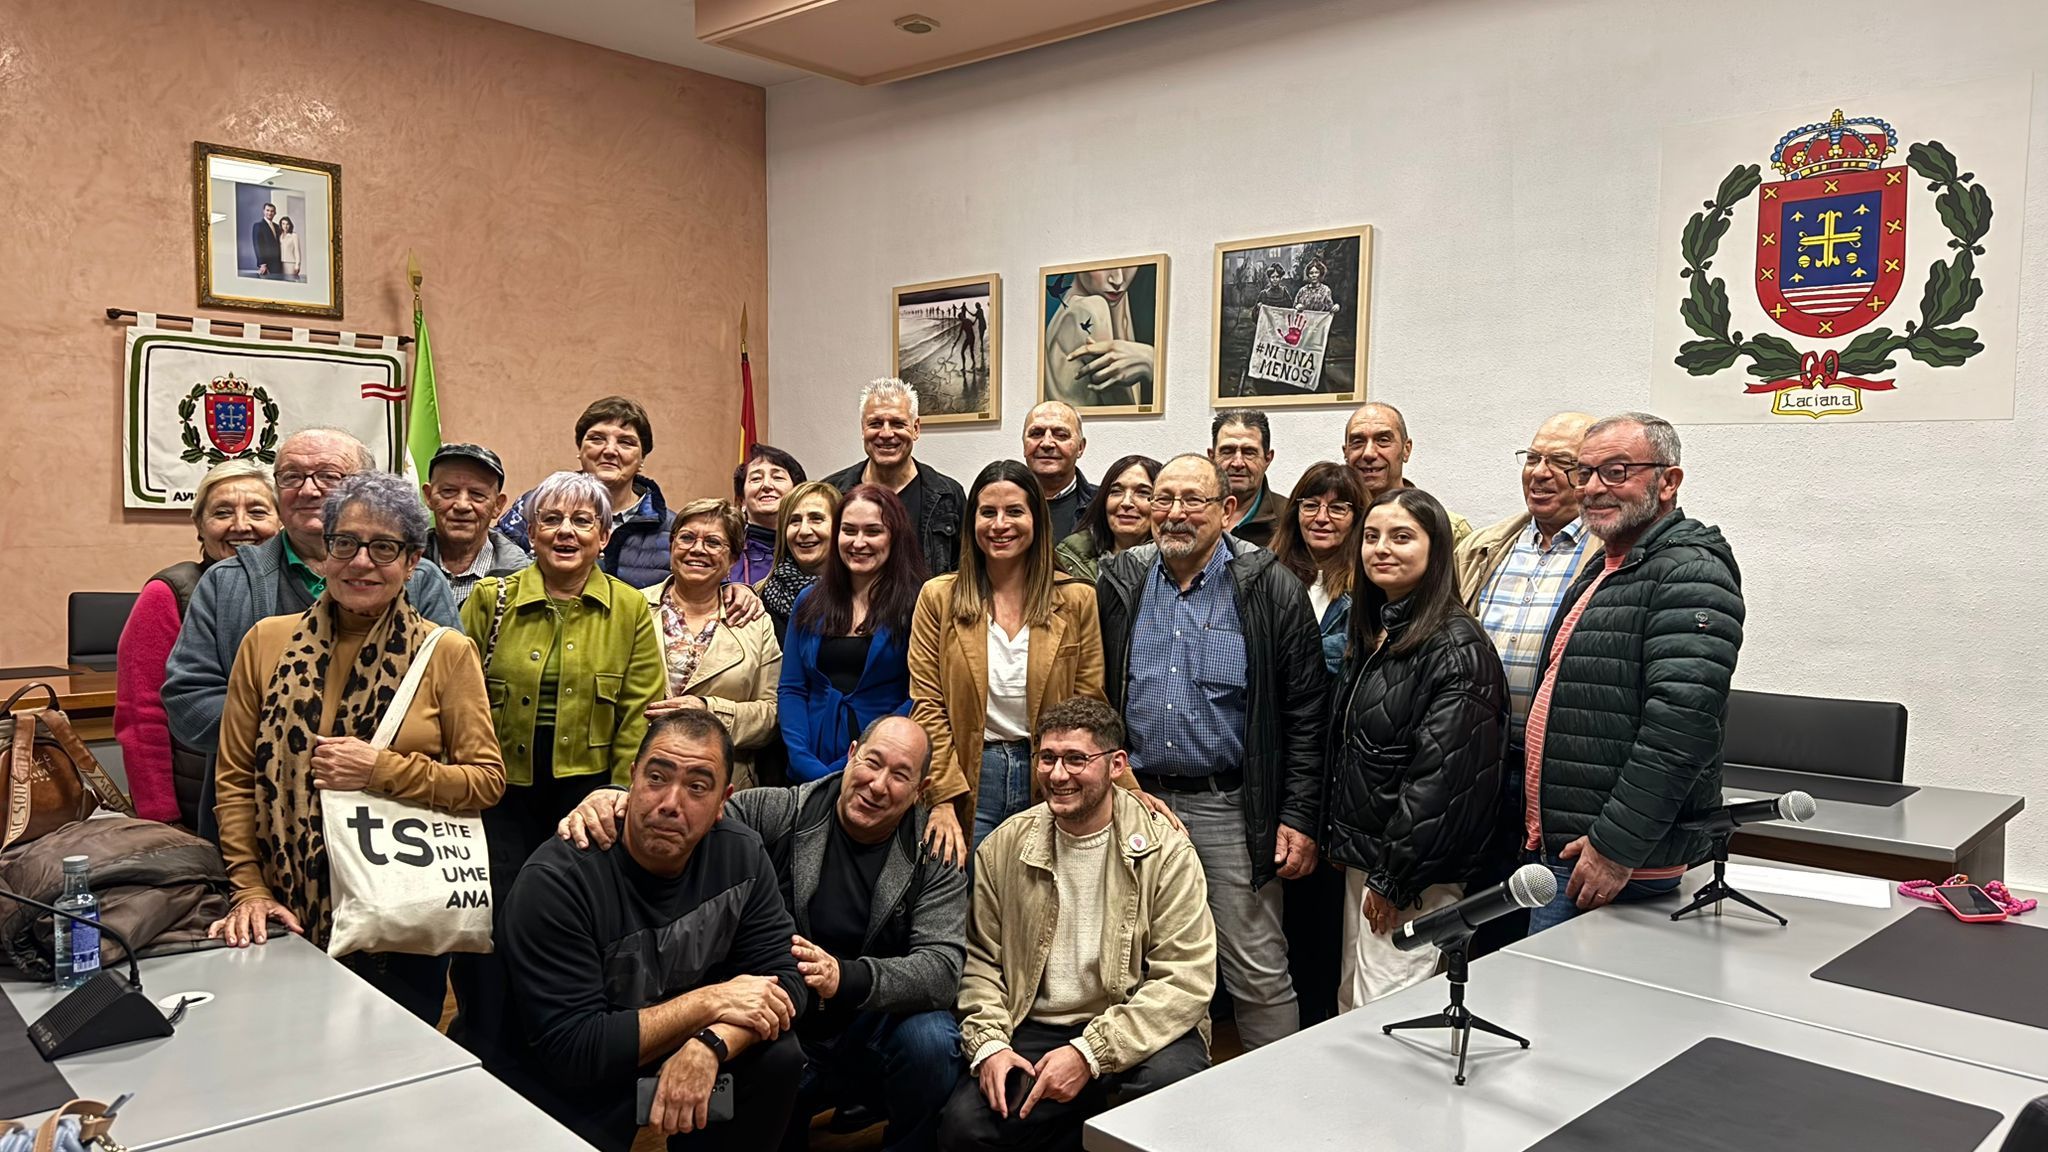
point(423, 421)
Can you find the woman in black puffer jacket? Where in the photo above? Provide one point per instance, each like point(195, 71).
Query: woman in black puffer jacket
point(1418, 726)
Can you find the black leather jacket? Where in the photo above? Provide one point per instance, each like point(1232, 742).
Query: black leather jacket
point(1415, 760)
point(1286, 684)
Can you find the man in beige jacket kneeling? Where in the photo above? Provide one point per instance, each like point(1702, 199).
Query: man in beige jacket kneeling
point(1091, 956)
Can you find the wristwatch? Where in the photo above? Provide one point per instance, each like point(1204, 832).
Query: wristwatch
point(710, 1040)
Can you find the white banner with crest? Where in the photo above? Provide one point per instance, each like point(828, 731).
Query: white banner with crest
point(194, 399)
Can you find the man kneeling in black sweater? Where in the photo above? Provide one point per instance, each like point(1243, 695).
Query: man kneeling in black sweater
point(664, 957)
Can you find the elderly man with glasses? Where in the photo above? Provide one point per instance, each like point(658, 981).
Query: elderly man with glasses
point(284, 575)
point(1214, 657)
point(1622, 746)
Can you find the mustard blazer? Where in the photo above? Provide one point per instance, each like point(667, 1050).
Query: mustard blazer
point(949, 679)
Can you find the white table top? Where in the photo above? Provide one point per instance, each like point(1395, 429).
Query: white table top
point(1935, 823)
point(1742, 959)
point(1343, 1085)
point(462, 1110)
point(288, 1029)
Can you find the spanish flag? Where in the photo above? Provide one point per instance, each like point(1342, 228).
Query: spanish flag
point(749, 435)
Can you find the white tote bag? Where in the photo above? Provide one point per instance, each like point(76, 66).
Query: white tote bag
point(405, 877)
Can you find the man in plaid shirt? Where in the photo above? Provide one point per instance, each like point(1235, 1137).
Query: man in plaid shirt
point(1512, 575)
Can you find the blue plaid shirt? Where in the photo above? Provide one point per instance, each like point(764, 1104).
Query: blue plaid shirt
point(1517, 605)
point(1185, 703)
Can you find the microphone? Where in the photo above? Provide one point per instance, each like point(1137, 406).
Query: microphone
point(99, 1013)
point(1797, 807)
point(1532, 886)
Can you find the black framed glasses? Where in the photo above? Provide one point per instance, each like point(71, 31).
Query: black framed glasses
point(1194, 504)
point(1557, 462)
point(1611, 473)
point(383, 550)
point(1072, 761)
point(323, 480)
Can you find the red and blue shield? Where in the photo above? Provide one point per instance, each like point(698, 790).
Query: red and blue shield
point(1831, 250)
point(230, 421)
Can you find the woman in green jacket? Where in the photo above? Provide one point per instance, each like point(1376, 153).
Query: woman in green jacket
point(572, 660)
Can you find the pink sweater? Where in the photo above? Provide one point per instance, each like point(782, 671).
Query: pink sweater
point(139, 722)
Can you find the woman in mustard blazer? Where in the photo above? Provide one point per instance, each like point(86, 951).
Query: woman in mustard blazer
point(991, 646)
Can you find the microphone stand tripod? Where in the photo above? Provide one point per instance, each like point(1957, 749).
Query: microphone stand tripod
point(1718, 889)
point(1457, 1018)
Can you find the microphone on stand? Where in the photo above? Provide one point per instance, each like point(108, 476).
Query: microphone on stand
point(100, 1013)
point(1797, 807)
point(1531, 886)
point(1720, 824)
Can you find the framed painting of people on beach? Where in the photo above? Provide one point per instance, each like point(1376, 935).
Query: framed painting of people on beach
point(946, 342)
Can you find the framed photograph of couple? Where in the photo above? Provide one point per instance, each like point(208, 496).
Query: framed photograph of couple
point(268, 231)
point(1290, 319)
point(946, 342)
point(1102, 347)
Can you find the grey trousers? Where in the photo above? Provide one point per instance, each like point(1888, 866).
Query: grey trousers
point(1251, 947)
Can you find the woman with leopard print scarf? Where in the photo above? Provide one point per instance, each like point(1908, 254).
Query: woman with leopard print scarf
point(306, 695)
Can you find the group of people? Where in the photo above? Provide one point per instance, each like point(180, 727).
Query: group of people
point(950, 807)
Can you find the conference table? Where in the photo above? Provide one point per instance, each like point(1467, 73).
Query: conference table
point(87, 697)
point(1744, 960)
point(469, 1109)
point(287, 1030)
point(1897, 831)
point(1344, 1085)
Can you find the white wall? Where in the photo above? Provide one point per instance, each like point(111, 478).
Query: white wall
point(1506, 151)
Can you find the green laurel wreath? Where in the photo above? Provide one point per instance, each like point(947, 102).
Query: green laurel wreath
point(195, 451)
point(1952, 287)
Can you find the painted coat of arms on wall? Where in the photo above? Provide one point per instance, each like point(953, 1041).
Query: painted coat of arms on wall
point(1879, 282)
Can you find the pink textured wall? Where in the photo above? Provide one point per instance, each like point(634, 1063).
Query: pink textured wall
point(588, 222)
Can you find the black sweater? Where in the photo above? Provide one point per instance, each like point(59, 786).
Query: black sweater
point(590, 938)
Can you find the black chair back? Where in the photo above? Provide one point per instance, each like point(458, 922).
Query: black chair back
point(93, 628)
point(1865, 739)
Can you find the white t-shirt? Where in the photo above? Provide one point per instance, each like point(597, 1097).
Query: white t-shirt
point(1009, 664)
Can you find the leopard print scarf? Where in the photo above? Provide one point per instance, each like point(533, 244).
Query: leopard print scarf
point(287, 805)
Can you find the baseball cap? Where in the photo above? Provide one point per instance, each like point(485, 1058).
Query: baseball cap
point(475, 452)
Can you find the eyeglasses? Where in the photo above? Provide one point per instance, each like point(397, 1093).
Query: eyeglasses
point(383, 550)
point(1337, 508)
point(1071, 761)
point(322, 480)
point(583, 522)
point(1194, 504)
point(1140, 493)
point(1559, 463)
point(1611, 473)
point(689, 540)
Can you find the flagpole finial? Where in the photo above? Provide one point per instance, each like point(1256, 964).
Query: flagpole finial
point(412, 272)
point(743, 329)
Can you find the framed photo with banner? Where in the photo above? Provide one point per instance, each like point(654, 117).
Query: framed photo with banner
point(268, 231)
point(1290, 320)
point(1102, 341)
point(946, 342)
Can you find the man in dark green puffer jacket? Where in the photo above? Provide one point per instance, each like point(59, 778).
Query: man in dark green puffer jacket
point(1623, 748)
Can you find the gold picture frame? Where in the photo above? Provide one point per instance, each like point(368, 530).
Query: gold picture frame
point(946, 342)
point(267, 231)
point(1120, 302)
point(1253, 354)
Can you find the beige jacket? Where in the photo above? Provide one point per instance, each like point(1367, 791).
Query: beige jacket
point(1482, 553)
point(1158, 941)
point(949, 680)
point(738, 679)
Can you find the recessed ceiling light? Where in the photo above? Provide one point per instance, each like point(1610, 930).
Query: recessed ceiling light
point(917, 25)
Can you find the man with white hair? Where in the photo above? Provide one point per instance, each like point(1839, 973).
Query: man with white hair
point(889, 428)
point(284, 575)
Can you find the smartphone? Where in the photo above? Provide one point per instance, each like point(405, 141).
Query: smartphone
point(719, 1108)
point(1970, 903)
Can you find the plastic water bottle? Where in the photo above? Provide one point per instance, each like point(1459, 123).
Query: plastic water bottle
point(78, 945)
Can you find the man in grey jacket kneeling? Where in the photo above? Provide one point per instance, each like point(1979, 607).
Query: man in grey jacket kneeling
point(881, 928)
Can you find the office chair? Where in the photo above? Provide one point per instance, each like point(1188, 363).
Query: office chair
point(1865, 739)
point(93, 627)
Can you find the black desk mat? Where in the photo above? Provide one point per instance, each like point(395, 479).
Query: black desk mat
point(28, 1083)
point(1720, 1096)
point(1840, 789)
point(34, 672)
point(1928, 955)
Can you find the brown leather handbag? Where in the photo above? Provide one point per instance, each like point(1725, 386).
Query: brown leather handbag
point(47, 776)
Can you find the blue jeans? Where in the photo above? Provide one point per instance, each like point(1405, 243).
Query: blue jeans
point(1561, 908)
point(1005, 787)
point(904, 1064)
